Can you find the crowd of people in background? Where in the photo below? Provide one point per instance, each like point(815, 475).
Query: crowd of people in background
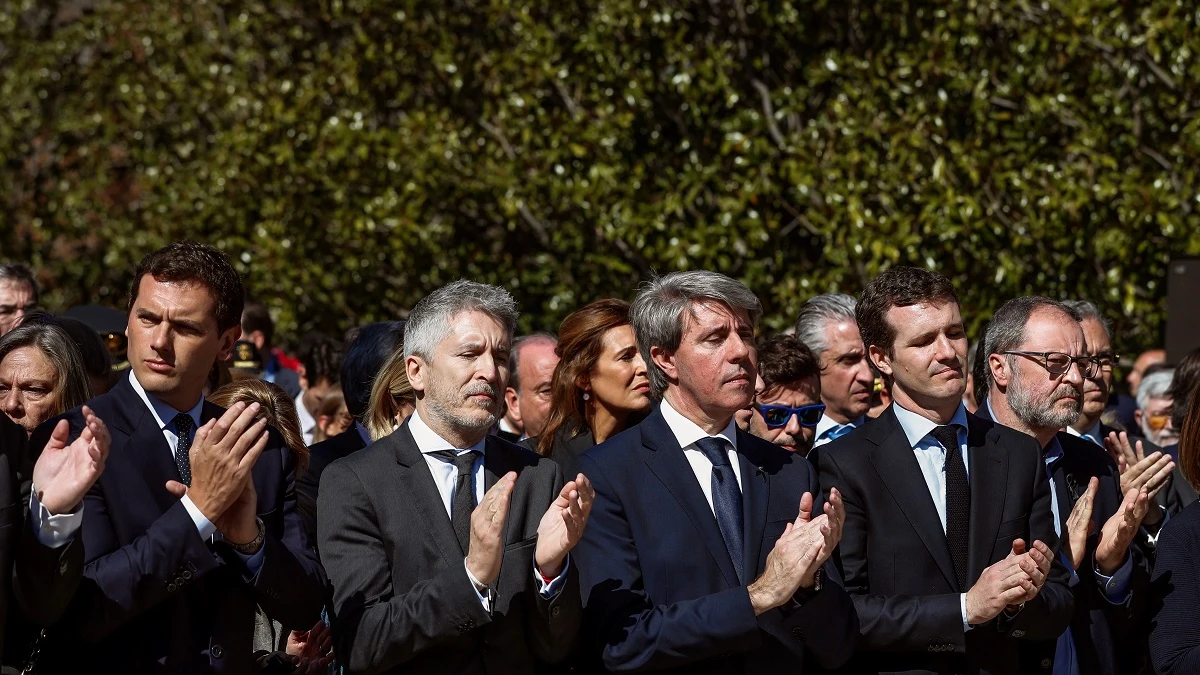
point(656, 486)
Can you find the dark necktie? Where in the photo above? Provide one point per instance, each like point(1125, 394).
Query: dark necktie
point(958, 501)
point(183, 428)
point(726, 498)
point(463, 502)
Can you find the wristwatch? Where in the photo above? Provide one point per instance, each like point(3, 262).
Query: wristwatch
point(818, 582)
point(252, 547)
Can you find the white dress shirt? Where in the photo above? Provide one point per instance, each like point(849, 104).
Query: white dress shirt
point(687, 433)
point(445, 476)
point(308, 424)
point(827, 429)
point(931, 458)
point(1092, 434)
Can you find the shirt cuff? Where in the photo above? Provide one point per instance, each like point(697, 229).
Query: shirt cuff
point(485, 600)
point(962, 603)
point(253, 562)
point(203, 525)
point(53, 530)
point(549, 590)
point(1117, 587)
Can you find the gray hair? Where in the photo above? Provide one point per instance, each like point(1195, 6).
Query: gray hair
point(514, 354)
point(1087, 310)
point(11, 271)
point(1154, 385)
point(71, 385)
point(817, 313)
point(429, 322)
point(657, 312)
point(1006, 331)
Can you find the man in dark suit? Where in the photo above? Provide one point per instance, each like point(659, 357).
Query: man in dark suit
point(706, 552)
point(447, 547)
point(949, 535)
point(1038, 362)
point(193, 522)
point(364, 358)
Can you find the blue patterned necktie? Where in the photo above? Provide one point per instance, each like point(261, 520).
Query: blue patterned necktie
point(183, 429)
point(726, 499)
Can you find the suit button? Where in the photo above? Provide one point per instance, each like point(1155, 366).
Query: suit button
point(62, 569)
point(186, 575)
point(555, 611)
point(1018, 633)
point(217, 652)
point(171, 588)
point(1046, 663)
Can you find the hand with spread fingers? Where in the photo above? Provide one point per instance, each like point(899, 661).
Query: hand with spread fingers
point(799, 552)
point(486, 549)
point(1118, 533)
point(1080, 525)
point(66, 471)
point(1139, 470)
point(311, 650)
point(562, 526)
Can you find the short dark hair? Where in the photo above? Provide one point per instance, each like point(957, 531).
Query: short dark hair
point(188, 261)
point(364, 359)
point(321, 356)
point(784, 359)
point(256, 317)
point(514, 354)
point(13, 271)
point(897, 287)
point(1006, 331)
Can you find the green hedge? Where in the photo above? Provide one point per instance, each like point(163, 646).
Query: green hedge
point(353, 155)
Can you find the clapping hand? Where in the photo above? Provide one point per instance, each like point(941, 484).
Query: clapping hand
point(562, 526)
point(65, 472)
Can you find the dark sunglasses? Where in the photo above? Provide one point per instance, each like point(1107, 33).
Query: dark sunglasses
point(778, 415)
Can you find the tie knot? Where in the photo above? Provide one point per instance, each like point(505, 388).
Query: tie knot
point(714, 450)
point(464, 462)
point(947, 435)
point(183, 424)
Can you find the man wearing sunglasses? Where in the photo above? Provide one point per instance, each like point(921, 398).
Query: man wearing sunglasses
point(787, 410)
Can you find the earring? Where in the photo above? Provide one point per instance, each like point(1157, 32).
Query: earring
point(587, 396)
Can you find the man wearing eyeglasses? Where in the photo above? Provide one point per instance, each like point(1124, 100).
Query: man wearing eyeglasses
point(787, 410)
point(18, 295)
point(1038, 364)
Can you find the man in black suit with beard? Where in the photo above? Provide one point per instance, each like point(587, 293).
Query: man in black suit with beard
point(448, 547)
point(1038, 365)
point(948, 545)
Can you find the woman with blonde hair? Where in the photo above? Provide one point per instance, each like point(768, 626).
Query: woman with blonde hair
point(392, 397)
point(275, 406)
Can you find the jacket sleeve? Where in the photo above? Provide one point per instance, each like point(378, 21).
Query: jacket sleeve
point(376, 628)
point(553, 623)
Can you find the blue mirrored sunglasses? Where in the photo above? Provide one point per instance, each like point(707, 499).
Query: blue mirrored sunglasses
point(778, 415)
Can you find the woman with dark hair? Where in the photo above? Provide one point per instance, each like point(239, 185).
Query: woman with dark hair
point(600, 387)
point(1174, 633)
point(41, 374)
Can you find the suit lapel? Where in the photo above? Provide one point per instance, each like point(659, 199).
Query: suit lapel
point(897, 467)
point(989, 484)
point(497, 461)
point(145, 446)
point(756, 493)
point(417, 484)
point(665, 459)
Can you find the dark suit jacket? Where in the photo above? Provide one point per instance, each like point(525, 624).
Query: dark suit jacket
point(1175, 633)
point(402, 601)
point(897, 563)
point(1178, 493)
point(308, 485)
point(155, 597)
point(1109, 639)
point(43, 579)
point(659, 588)
point(567, 448)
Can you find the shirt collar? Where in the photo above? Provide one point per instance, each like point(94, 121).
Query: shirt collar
point(428, 441)
point(1094, 432)
point(826, 423)
point(917, 426)
point(688, 432)
point(307, 422)
point(163, 413)
point(1053, 451)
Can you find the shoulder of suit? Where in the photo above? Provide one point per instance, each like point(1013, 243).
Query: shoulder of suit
point(619, 446)
point(519, 452)
point(766, 455)
point(1080, 451)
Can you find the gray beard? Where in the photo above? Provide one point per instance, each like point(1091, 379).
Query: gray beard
point(1040, 414)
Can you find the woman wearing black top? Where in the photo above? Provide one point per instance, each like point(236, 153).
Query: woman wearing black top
point(600, 386)
point(1175, 632)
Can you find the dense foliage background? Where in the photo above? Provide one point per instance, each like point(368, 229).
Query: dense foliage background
point(351, 155)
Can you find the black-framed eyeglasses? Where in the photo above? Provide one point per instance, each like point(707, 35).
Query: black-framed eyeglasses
point(1106, 360)
point(1058, 363)
point(778, 415)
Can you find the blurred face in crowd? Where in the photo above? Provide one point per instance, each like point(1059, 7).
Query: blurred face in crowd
point(1097, 387)
point(618, 381)
point(16, 298)
point(1144, 361)
point(174, 339)
point(846, 376)
point(793, 436)
point(529, 407)
point(742, 417)
point(28, 387)
point(459, 387)
point(1155, 421)
point(928, 358)
point(332, 425)
point(713, 370)
point(1042, 401)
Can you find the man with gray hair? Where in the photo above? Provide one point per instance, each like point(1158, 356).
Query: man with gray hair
point(827, 326)
point(532, 360)
point(1154, 408)
point(448, 547)
point(1039, 360)
point(18, 295)
point(1097, 389)
point(707, 549)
